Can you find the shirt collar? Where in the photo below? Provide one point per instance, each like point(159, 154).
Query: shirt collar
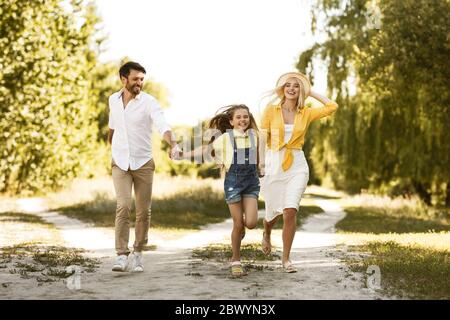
point(278, 107)
point(137, 97)
point(237, 133)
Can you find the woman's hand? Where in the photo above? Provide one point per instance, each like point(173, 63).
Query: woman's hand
point(261, 170)
point(313, 94)
point(319, 97)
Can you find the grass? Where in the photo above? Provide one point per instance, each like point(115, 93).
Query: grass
point(322, 196)
point(15, 217)
point(187, 209)
point(407, 271)
point(407, 240)
point(304, 212)
point(17, 227)
point(385, 220)
point(85, 190)
point(44, 263)
point(178, 203)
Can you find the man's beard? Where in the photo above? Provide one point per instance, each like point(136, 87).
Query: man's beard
point(134, 89)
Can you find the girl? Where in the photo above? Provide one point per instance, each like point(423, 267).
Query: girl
point(284, 125)
point(237, 151)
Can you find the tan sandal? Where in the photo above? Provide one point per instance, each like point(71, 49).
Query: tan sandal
point(288, 267)
point(236, 269)
point(266, 247)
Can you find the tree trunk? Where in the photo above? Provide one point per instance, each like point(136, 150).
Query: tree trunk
point(447, 195)
point(423, 193)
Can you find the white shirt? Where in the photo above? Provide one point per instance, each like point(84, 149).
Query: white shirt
point(288, 129)
point(131, 142)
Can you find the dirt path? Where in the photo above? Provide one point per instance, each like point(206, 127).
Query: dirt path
point(172, 273)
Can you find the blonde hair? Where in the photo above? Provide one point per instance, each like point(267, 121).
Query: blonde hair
point(277, 95)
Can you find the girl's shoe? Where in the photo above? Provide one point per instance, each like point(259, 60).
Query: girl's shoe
point(236, 269)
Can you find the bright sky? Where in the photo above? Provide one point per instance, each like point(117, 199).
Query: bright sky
point(209, 53)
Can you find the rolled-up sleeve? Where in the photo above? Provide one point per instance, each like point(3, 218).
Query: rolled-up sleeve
point(265, 119)
point(157, 115)
point(265, 124)
point(326, 110)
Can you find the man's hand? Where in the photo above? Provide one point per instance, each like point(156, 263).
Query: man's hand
point(110, 135)
point(175, 150)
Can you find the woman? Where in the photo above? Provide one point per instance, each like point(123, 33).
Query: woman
point(284, 127)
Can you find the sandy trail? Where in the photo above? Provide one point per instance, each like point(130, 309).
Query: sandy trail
point(172, 273)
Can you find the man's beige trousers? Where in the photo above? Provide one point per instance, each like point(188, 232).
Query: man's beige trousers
point(142, 179)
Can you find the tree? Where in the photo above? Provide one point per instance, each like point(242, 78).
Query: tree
point(393, 133)
point(47, 130)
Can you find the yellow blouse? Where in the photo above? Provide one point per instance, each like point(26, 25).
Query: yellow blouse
point(272, 121)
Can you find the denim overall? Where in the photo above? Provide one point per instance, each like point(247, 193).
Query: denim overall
point(241, 179)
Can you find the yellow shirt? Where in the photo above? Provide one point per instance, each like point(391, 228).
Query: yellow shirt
point(224, 149)
point(272, 121)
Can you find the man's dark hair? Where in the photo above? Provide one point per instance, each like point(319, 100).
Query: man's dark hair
point(124, 70)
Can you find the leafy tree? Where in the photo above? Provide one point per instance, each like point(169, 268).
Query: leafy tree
point(392, 135)
point(47, 130)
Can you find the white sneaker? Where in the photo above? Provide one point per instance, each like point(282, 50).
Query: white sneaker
point(138, 265)
point(121, 263)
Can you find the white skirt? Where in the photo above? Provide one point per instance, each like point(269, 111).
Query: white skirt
point(283, 189)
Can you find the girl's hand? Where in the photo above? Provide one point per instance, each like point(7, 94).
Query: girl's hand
point(185, 155)
point(176, 152)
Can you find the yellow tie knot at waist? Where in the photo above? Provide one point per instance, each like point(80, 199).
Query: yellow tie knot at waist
point(288, 156)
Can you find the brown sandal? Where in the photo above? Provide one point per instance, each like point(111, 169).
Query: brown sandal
point(289, 267)
point(266, 246)
point(236, 269)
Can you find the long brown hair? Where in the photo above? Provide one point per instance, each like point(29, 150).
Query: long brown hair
point(221, 120)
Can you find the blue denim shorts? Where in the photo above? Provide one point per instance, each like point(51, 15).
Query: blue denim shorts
point(238, 185)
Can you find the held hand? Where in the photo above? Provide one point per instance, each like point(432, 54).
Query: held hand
point(176, 152)
point(261, 170)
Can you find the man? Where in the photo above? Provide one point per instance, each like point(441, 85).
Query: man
point(132, 116)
